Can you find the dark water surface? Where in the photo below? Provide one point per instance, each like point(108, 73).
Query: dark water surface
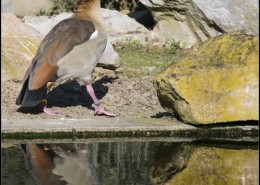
point(131, 163)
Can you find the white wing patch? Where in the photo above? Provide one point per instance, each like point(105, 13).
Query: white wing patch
point(94, 35)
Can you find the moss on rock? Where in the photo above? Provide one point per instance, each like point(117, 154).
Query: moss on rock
point(216, 82)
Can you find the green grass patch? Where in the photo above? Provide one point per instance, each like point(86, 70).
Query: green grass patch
point(139, 60)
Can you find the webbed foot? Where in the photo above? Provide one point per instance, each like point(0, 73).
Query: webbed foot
point(100, 110)
point(42, 106)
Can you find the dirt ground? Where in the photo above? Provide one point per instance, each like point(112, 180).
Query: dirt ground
point(130, 97)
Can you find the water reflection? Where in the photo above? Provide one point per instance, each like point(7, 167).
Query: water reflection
point(59, 165)
point(130, 163)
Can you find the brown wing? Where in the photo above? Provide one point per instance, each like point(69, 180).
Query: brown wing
point(59, 41)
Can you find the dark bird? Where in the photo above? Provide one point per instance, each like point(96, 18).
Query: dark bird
point(71, 50)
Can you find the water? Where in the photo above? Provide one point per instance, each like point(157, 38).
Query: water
point(130, 162)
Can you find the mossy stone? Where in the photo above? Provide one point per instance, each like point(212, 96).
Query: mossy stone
point(216, 82)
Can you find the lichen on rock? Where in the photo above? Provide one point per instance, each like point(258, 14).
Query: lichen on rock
point(216, 82)
point(17, 53)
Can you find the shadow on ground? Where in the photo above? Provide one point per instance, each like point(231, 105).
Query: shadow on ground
point(72, 94)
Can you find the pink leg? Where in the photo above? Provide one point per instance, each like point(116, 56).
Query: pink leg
point(99, 109)
point(42, 106)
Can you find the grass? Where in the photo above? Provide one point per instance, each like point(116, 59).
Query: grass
point(120, 5)
point(63, 6)
point(139, 60)
point(42, 13)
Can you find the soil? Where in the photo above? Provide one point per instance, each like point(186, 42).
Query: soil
point(133, 97)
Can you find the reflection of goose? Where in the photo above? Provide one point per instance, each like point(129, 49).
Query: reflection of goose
point(40, 164)
point(57, 167)
point(75, 168)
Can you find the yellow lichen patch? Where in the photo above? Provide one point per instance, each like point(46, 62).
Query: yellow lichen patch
point(216, 82)
point(7, 69)
point(17, 53)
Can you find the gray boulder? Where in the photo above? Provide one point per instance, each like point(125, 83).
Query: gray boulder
point(194, 21)
point(232, 14)
point(12, 25)
point(44, 24)
point(121, 27)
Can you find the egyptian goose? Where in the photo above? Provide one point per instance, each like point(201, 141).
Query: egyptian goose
point(71, 50)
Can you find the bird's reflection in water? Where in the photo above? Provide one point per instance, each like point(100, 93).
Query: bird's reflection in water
point(58, 166)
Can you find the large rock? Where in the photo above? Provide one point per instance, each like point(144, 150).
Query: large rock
point(44, 24)
point(194, 21)
point(120, 26)
point(32, 7)
point(241, 14)
point(17, 53)
point(27, 7)
point(19, 45)
point(12, 25)
point(216, 82)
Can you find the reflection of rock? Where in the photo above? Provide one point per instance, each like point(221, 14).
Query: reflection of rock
point(216, 82)
point(195, 164)
point(123, 162)
point(219, 166)
point(129, 162)
point(170, 159)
